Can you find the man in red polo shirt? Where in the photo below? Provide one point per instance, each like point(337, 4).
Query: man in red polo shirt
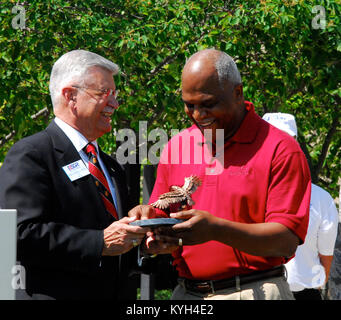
point(251, 211)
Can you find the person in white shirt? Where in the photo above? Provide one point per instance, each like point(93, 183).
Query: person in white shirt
point(308, 271)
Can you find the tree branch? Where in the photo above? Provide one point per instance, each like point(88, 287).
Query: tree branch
point(170, 59)
point(326, 143)
point(43, 112)
point(7, 138)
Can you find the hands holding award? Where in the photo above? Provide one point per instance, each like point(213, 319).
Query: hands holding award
point(183, 227)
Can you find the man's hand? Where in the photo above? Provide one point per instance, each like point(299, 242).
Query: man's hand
point(142, 212)
point(120, 237)
point(195, 230)
point(153, 244)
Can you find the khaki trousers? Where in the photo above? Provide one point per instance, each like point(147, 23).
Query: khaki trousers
point(275, 288)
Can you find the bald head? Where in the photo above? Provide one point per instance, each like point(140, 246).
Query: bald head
point(212, 92)
point(217, 64)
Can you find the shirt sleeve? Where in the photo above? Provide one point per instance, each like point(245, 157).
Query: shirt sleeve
point(328, 229)
point(289, 193)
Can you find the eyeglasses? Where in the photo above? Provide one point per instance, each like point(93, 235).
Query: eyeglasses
point(104, 92)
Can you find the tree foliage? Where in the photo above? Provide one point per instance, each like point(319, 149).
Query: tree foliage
point(286, 63)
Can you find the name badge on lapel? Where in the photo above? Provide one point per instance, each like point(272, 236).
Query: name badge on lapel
point(76, 170)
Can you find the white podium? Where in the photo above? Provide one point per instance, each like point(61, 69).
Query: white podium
point(8, 250)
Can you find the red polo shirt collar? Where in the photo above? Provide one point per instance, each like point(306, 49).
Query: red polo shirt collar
point(249, 127)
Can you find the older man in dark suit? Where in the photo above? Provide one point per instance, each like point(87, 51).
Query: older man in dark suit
point(74, 238)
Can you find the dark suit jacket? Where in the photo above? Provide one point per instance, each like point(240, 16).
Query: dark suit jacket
point(60, 223)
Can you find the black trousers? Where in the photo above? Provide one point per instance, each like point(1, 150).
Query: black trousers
point(308, 294)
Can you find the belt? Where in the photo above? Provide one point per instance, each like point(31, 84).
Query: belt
point(210, 286)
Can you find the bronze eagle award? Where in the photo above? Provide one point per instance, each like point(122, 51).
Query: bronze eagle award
point(179, 198)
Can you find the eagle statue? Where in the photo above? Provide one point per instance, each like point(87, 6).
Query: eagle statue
point(179, 194)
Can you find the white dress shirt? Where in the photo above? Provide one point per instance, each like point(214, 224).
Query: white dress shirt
point(79, 142)
point(305, 269)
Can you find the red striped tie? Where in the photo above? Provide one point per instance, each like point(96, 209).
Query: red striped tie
point(100, 181)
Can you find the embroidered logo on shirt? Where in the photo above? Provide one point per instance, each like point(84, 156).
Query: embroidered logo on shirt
point(239, 171)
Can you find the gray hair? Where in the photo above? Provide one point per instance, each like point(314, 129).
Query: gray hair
point(72, 67)
point(227, 70)
point(225, 66)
